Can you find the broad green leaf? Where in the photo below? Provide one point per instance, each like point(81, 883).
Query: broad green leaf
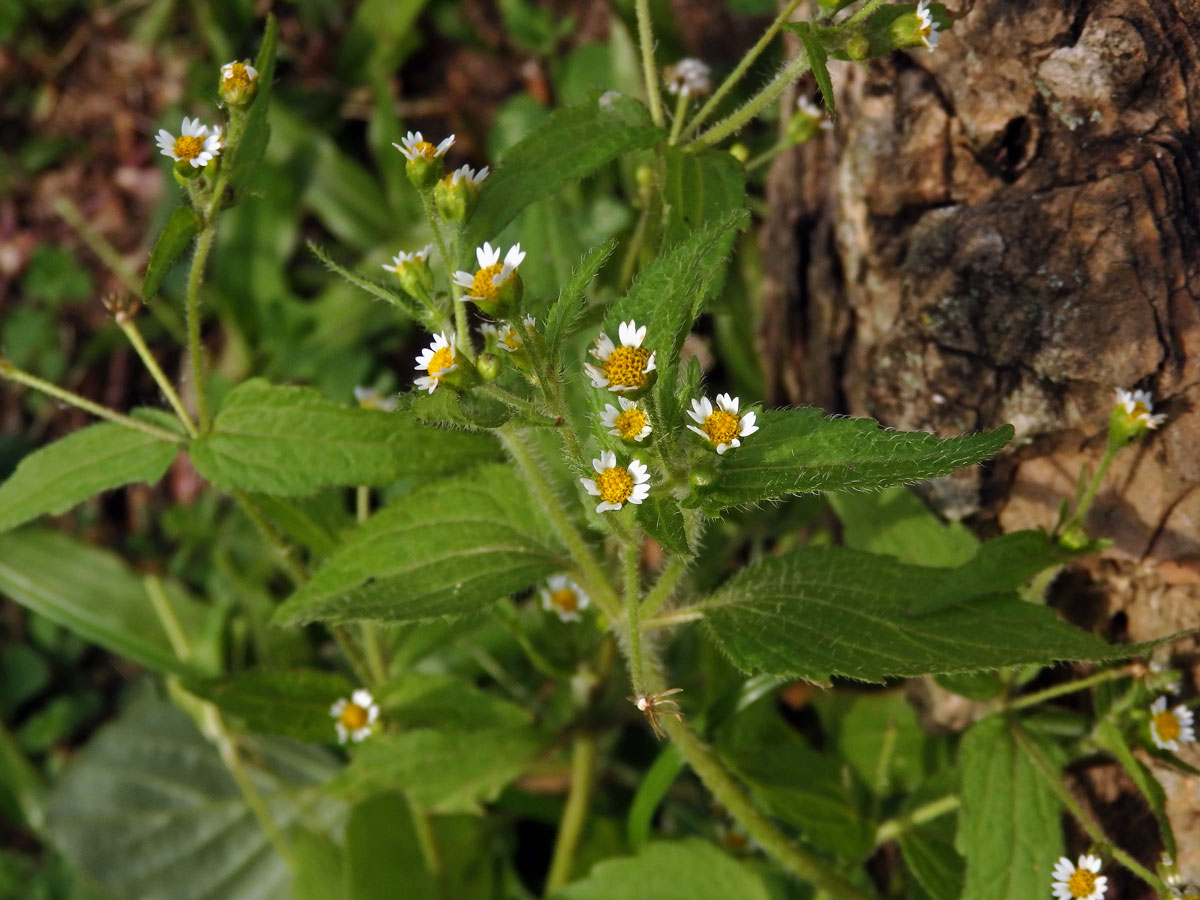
point(823, 611)
point(450, 548)
point(91, 593)
point(148, 809)
point(417, 700)
point(572, 143)
point(93, 459)
point(319, 863)
point(663, 521)
point(291, 441)
point(895, 522)
point(257, 132)
point(178, 233)
point(383, 853)
point(444, 771)
point(1002, 564)
point(677, 870)
point(700, 188)
point(1009, 829)
point(929, 853)
point(572, 298)
point(293, 703)
point(798, 451)
point(864, 727)
point(1109, 736)
point(818, 61)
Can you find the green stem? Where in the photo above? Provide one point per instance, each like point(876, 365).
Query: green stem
point(176, 636)
point(511, 400)
point(377, 664)
point(893, 828)
point(12, 373)
point(1069, 687)
point(283, 554)
point(1085, 502)
point(649, 70)
point(129, 326)
point(681, 105)
point(664, 586)
point(754, 106)
point(867, 8)
point(766, 156)
point(462, 335)
point(195, 348)
point(669, 619)
point(570, 829)
point(423, 826)
point(1090, 825)
point(596, 581)
point(742, 67)
point(631, 557)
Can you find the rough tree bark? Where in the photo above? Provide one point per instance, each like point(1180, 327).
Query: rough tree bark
point(1005, 230)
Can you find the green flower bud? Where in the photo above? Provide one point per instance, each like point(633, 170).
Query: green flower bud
point(740, 152)
point(412, 269)
point(238, 84)
point(858, 47)
point(456, 194)
point(490, 366)
point(425, 163)
point(702, 477)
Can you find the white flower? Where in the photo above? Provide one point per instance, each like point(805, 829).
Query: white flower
point(1082, 882)
point(616, 485)
point(197, 144)
point(1139, 406)
point(353, 718)
point(928, 27)
point(413, 145)
point(689, 78)
point(623, 368)
point(238, 74)
point(438, 359)
point(563, 596)
point(468, 174)
point(419, 257)
point(370, 398)
point(629, 423)
point(491, 276)
point(1171, 727)
point(722, 427)
point(507, 336)
point(805, 106)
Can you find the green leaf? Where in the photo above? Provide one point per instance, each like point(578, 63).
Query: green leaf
point(895, 522)
point(1109, 736)
point(929, 853)
point(148, 809)
point(292, 703)
point(663, 521)
point(178, 233)
point(572, 143)
point(383, 852)
point(93, 459)
point(798, 451)
point(823, 611)
point(818, 60)
point(676, 870)
point(700, 188)
point(257, 133)
point(650, 792)
point(91, 593)
point(569, 306)
point(444, 771)
point(1002, 564)
point(291, 441)
point(866, 727)
point(372, 286)
point(449, 548)
point(319, 864)
point(1009, 828)
point(417, 700)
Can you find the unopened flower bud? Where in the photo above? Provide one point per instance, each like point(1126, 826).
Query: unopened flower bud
point(740, 152)
point(238, 83)
point(489, 365)
point(457, 193)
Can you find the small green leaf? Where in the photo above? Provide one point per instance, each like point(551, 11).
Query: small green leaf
point(93, 459)
point(663, 521)
point(178, 233)
point(797, 451)
point(572, 298)
point(253, 144)
point(678, 870)
point(417, 700)
point(700, 188)
point(291, 703)
point(291, 441)
point(383, 852)
point(572, 143)
point(823, 611)
point(319, 863)
point(818, 60)
point(1109, 736)
point(895, 522)
point(450, 548)
point(444, 771)
point(1009, 829)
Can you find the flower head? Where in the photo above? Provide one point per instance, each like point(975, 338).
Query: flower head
point(722, 427)
point(197, 145)
point(1139, 406)
point(493, 283)
point(623, 368)
point(370, 398)
point(927, 28)
point(807, 121)
point(630, 422)
point(413, 146)
point(467, 175)
point(564, 597)
point(689, 78)
point(438, 360)
point(617, 485)
point(1079, 882)
point(457, 193)
point(238, 82)
point(402, 259)
point(354, 717)
point(506, 335)
point(1171, 727)
point(412, 269)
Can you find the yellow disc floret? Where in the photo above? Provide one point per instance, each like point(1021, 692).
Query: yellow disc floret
point(236, 76)
point(626, 366)
point(614, 485)
point(188, 147)
point(1167, 726)
point(565, 599)
point(630, 423)
point(721, 427)
point(442, 359)
point(353, 717)
point(425, 149)
point(1081, 883)
point(483, 285)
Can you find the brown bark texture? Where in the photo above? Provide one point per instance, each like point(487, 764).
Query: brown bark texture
point(1005, 230)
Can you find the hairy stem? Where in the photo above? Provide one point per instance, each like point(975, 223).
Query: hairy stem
point(377, 663)
point(1069, 687)
point(511, 400)
point(462, 336)
point(1085, 501)
point(893, 828)
point(195, 348)
point(649, 69)
point(867, 8)
point(631, 558)
point(574, 816)
point(681, 106)
point(664, 586)
point(129, 326)
point(737, 120)
point(423, 826)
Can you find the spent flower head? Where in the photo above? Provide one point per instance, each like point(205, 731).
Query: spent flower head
point(494, 286)
point(623, 368)
point(629, 423)
point(437, 360)
point(689, 78)
point(1081, 881)
point(238, 83)
point(354, 717)
point(563, 597)
point(196, 146)
point(1171, 727)
point(617, 485)
point(721, 426)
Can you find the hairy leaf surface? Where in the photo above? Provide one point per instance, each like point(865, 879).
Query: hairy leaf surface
point(293, 703)
point(176, 235)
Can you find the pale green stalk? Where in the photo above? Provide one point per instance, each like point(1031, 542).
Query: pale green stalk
point(867, 8)
point(1066, 688)
point(462, 335)
point(195, 348)
point(1085, 502)
point(672, 618)
point(893, 828)
point(129, 326)
point(377, 664)
point(631, 557)
point(649, 69)
point(754, 106)
point(423, 826)
point(511, 400)
point(681, 105)
point(12, 373)
point(570, 828)
point(664, 586)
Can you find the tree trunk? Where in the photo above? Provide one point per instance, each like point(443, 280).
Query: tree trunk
point(1005, 230)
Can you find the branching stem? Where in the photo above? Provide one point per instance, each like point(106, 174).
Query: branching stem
point(129, 326)
point(738, 119)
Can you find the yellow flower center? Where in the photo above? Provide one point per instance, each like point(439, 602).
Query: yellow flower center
point(626, 366)
point(615, 485)
point(440, 361)
point(188, 147)
point(237, 77)
point(482, 286)
point(565, 599)
point(1167, 726)
point(353, 717)
point(1139, 410)
point(630, 423)
point(510, 338)
point(425, 149)
point(1081, 883)
point(721, 427)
